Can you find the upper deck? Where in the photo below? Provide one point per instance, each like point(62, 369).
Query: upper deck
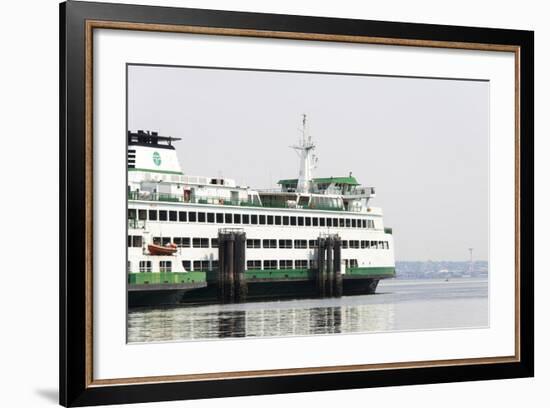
point(154, 174)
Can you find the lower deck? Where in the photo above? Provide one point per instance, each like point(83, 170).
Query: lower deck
point(153, 289)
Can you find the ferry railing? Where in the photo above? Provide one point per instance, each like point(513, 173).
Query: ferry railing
point(145, 196)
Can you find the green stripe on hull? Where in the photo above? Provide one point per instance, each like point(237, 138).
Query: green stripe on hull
point(386, 271)
point(277, 274)
point(144, 278)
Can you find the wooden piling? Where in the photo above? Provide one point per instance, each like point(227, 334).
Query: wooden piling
point(321, 278)
point(240, 255)
point(329, 267)
point(337, 260)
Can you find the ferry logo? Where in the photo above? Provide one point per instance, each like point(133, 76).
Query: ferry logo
point(156, 158)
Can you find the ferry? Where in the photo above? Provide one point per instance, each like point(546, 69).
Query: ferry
point(310, 237)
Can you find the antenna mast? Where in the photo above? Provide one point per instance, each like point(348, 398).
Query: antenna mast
point(307, 159)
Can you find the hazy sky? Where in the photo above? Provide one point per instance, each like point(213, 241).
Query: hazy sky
point(423, 143)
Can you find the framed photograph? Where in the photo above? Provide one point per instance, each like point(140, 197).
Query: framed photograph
point(256, 203)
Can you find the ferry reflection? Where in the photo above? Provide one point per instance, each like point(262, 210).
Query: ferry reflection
point(254, 320)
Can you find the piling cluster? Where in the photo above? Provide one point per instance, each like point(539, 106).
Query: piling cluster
point(329, 269)
point(231, 255)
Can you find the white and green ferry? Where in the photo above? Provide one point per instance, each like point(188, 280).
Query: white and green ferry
point(175, 222)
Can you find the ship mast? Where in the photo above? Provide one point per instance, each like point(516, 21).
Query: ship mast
point(307, 158)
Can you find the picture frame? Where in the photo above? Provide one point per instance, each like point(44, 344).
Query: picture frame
point(79, 20)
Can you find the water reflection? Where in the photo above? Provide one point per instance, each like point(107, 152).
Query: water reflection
point(398, 306)
point(260, 320)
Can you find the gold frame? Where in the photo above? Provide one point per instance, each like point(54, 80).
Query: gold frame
point(98, 24)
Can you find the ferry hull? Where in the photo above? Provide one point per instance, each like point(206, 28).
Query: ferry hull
point(257, 290)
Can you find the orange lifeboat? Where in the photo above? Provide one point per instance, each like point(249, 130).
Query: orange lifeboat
point(168, 249)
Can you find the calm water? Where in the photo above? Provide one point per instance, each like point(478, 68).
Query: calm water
point(398, 305)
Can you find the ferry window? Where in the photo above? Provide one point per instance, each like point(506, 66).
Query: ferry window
point(163, 216)
point(253, 243)
point(145, 266)
point(277, 220)
point(342, 222)
point(364, 223)
point(335, 222)
point(131, 213)
point(292, 220)
point(201, 265)
point(237, 218)
point(202, 217)
point(166, 240)
point(219, 218)
point(367, 244)
point(329, 222)
point(285, 243)
point(344, 244)
point(353, 263)
point(374, 244)
point(142, 215)
point(165, 266)
point(192, 216)
point(300, 243)
point(246, 219)
point(156, 240)
point(315, 221)
point(354, 244)
point(308, 221)
point(253, 219)
point(300, 221)
point(137, 241)
point(152, 215)
point(185, 242)
point(354, 223)
point(129, 241)
point(313, 243)
point(182, 216)
point(214, 242)
point(381, 244)
point(321, 222)
point(200, 242)
point(387, 245)
point(186, 265)
point(348, 222)
point(173, 216)
point(228, 218)
point(270, 243)
point(300, 264)
point(262, 219)
point(271, 264)
point(286, 220)
point(363, 244)
point(270, 220)
point(210, 217)
point(253, 264)
point(346, 261)
point(177, 241)
point(285, 264)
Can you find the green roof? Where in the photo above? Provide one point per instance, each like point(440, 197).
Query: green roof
point(325, 180)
